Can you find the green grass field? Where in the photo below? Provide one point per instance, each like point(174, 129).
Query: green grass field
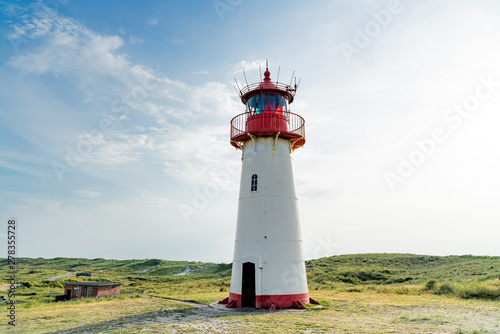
point(364, 293)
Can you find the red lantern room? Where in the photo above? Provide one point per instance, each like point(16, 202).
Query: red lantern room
point(267, 114)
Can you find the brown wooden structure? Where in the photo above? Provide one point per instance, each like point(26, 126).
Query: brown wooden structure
point(90, 289)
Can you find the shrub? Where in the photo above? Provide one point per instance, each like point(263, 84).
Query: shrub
point(431, 285)
point(27, 284)
point(445, 289)
point(483, 290)
point(55, 284)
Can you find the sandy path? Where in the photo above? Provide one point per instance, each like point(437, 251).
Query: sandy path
point(60, 276)
point(198, 312)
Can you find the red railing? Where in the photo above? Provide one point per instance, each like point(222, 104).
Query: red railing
point(289, 125)
point(257, 85)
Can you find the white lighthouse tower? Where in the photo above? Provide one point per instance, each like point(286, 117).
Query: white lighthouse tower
point(268, 266)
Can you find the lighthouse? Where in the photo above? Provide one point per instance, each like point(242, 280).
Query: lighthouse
point(268, 263)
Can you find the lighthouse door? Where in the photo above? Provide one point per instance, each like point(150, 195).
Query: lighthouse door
point(248, 285)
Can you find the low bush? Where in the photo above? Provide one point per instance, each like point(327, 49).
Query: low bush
point(431, 285)
point(478, 290)
point(445, 289)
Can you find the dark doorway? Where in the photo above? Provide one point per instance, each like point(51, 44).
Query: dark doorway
point(68, 294)
point(248, 285)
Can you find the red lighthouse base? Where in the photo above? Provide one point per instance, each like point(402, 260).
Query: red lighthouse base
point(271, 301)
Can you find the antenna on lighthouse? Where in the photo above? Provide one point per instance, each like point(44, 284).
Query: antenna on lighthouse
point(238, 90)
point(245, 77)
point(236, 83)
point(291, 78)
point(260, 71)
point(278, 77)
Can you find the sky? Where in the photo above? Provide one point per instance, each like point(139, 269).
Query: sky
point(114, 124)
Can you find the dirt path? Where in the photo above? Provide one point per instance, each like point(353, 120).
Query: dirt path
point(61, 276)
point(5, 287)
point(198, 312)
point(344, 313)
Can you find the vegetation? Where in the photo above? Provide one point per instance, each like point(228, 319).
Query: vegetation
point(345, 285)
point(461, 276)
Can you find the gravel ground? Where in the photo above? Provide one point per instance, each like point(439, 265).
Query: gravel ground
point(198, 312)
point(349, 316)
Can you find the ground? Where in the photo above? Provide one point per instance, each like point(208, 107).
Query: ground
point(346, 312)
point(360, 293)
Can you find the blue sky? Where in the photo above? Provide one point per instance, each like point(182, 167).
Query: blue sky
point(114, 124)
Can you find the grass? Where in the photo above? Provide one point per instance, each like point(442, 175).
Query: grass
point(401, 268)
point(48, 317)
point(362, 286)
point(354, 313)
point(462, 276)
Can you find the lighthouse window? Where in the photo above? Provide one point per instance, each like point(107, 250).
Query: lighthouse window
point(260, 103)
point(254, 182)
point(255, 104)
point(271, 101)
point(275, 102)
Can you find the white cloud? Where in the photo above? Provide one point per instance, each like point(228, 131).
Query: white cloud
point(180, 127)
point(87, 193)
point(247, 65)
point(13, 167)
point(180, 119)
point(178, 41)
point(359, 118)
point(40, 202)
point(152, 21)
point(161, 202)
point(181, 152)
point(136, 40)
point(68, 48)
